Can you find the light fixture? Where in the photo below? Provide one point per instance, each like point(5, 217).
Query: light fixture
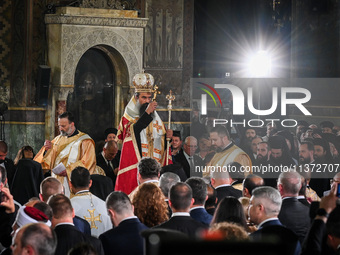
point(260, 64)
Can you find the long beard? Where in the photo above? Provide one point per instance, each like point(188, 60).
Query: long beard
point(260, 159)
point(276, 160)
point(143, 108)
point(66, 133)
point(304, 161)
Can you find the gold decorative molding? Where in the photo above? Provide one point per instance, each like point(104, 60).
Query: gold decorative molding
point(24, 123)
point(26, 109)
point(98, 11)
point(96, 21)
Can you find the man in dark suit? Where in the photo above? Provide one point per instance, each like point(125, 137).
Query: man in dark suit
point(293, 214)
point(324, 234)
point(6, 162)
point(125, 237)
point(67, 234)
point(221, 182)
point(105, 158)
point(200, 195)
point(264, 207)
point(187, 157)
point(180, 202)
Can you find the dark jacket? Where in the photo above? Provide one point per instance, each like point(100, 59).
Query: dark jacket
point(184, 224)
point(124, 239)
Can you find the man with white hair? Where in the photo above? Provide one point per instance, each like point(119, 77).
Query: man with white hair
point(187, 157)
point(264, 207)
point(263, 210)
point(221, 182)
point(294, 215)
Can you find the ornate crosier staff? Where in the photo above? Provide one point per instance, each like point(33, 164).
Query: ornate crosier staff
point(170, 98)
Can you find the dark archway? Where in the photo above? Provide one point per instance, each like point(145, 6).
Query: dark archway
point(93, 99)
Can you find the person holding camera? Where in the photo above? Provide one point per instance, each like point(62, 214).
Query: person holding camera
point(7, 211)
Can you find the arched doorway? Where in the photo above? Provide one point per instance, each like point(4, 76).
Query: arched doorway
point(97, 89)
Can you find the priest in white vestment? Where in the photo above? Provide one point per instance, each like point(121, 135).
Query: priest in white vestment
point(86, 205)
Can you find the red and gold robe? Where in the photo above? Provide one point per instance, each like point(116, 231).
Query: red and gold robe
point(152, 145)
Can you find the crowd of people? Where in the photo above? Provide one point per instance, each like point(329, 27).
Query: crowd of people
point(68, 200)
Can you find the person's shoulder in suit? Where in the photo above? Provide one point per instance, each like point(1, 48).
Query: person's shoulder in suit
point(100, 159)
point(184, 224)
point(201, 215)
point(304, 201)
point(82, 225)
point(118, 240)
point(227, 191)
point(179, 156)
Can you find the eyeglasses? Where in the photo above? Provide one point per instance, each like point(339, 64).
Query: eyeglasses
point(334, 181)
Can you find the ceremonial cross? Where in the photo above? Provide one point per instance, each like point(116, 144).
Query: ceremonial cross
point(158, 127)
point(92, 219)
point(155, 92)
point(170, 97)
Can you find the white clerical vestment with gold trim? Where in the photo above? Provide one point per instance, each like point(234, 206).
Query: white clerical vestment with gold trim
point(93, 209)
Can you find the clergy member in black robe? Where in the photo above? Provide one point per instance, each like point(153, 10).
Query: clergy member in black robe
point(26, 181)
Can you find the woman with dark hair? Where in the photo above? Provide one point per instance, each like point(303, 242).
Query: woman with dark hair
point(150, 206)
point(230, 210)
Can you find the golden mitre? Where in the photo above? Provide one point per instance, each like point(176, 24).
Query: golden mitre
point(143, 82)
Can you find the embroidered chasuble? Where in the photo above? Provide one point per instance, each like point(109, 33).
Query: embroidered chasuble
point(231, 153)
point(152, 140)
point(91, 208)
point(73, 151)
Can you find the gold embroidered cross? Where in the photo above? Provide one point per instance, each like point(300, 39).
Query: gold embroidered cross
point(92, 219)
point(158, 127)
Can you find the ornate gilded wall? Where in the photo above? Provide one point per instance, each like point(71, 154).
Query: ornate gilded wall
point(5, 39)
point(168, 53)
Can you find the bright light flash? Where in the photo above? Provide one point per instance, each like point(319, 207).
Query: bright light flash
point(260, 64)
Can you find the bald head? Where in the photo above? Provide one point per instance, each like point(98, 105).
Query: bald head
point(50, 186)
point(110, 150)
point(220, 177)
point(251, 182)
